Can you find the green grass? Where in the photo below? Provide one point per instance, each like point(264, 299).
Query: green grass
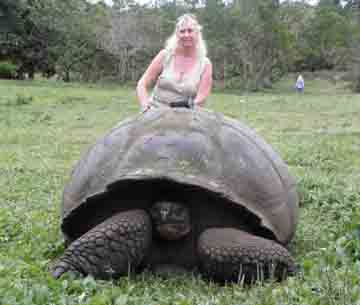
point(45, 126)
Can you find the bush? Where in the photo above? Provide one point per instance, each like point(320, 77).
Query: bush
point(7, 70)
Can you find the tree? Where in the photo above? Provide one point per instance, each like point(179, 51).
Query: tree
point(134, 37)
point(327, 37)
point(50, 36)
point(76, 42)
point(23, 42)
point(352, 4)
point(216, 27)
point(352, 9)
point(258, 43)
point(333, 3)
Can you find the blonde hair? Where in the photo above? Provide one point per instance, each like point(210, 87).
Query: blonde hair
point(172, 42)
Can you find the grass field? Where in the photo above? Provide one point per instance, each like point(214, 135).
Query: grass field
point(45, 126)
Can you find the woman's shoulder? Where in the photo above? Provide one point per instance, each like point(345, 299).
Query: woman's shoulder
point(165, 56)
point(204, 62)
point(161, 58)
point(207, 61)
point(162, 54)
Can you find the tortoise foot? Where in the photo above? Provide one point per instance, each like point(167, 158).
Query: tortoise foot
point(61, 267)
point(234, 255)
point(111, 249)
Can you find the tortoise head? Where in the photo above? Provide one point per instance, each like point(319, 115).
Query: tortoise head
point(171, 219)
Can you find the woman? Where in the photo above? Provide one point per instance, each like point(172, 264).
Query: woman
point(181, 71)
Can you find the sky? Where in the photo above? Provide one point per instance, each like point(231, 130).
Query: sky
point(109, 2)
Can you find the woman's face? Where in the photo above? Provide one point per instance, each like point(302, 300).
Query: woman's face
point(187, 35)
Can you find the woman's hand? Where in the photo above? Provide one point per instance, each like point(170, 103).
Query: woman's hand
point(145, 107)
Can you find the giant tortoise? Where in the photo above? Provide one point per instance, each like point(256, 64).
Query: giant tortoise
point(179, 187)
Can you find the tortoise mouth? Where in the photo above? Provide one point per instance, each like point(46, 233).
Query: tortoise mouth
point(171, 231)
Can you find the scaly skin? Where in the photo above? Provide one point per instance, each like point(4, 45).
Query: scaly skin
point(110, 249)
point(233, 255)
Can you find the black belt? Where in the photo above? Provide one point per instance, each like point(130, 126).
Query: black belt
point(182, 104)
point(186, 103)
point(189, 103)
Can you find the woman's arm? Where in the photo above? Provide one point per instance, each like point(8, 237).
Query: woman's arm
point(204, 86)
point(148, 78)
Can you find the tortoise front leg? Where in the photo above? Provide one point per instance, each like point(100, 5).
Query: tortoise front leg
point(110, 249)
point(234, 255)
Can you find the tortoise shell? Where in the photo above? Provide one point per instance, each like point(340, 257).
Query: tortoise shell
point(183, 153)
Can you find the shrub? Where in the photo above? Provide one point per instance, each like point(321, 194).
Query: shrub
point(7, 70)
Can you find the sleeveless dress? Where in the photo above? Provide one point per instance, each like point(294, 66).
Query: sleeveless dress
point(169, 89)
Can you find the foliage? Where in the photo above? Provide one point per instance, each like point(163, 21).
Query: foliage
point(76, 48)
point(133, 38)
point(7, 70)
point(216, 30)
point(263, 46)
point(316, 133)
point(51, 36)
point(328, 35)
point(354, 64)
point(323, 36)
point(251, 43)
point(25, 42)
